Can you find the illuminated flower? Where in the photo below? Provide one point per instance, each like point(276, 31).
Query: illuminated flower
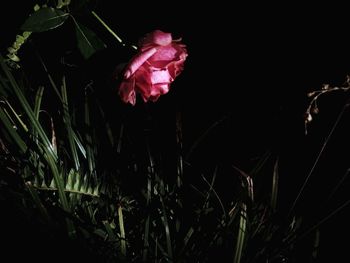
point(151, 71)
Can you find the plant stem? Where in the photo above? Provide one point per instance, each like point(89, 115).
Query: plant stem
point(107, 27)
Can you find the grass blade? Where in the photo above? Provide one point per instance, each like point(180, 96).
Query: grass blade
point(29, 112)
point(38, 99)
point(250, 186)
point(211, 189)
point(17, 116)
point(122, 231)
point(274, 191)
point(166, 223)
point(147, 221)
point(316, 245)
point(180, 149)
point(12, 132)
point(203, 136)
point(241, 234)
point(88, 137)
point(68, 124)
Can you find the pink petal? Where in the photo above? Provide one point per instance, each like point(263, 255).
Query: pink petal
point(143, 82)
point(163, 56)
point(161, 76)
point(158, 90)
point(167, 55)
point(175, 68)
point(137, 61)
point(157, 37)
point(127, 91)
point(161, 89)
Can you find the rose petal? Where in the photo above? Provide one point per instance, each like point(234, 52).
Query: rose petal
point(157, 37)
point(175, 68)
point(127, 91)
point(158, 90)
point(137, 61)
point(163, 56)
point(160, 76)
point(161, 88)
point(143, 82)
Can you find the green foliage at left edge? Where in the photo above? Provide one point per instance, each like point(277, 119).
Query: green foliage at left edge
point(50, 155)
point(44, 19)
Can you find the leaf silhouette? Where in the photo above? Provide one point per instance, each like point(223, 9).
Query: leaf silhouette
point(44, 19)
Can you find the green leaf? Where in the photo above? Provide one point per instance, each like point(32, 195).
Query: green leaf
point(52, 184)
point(84, 184)
point(88, 42)
point(77, 183)
point(70, 180)
point(96, 190)
point(19, 39)
point(109, 230)
point(44, 19)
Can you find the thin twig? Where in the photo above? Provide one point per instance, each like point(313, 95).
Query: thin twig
point(211, 188)
point(335, 189)
point(322, 221)
point(340, 115)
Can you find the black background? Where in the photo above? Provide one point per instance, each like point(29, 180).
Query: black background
point(254, 64)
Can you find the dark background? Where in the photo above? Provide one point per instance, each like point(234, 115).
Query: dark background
point(253, 64)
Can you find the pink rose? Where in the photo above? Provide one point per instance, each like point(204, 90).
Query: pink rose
point(151, 71)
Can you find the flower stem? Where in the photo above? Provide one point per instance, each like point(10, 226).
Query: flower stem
point(107, 27)
point(122, 231)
